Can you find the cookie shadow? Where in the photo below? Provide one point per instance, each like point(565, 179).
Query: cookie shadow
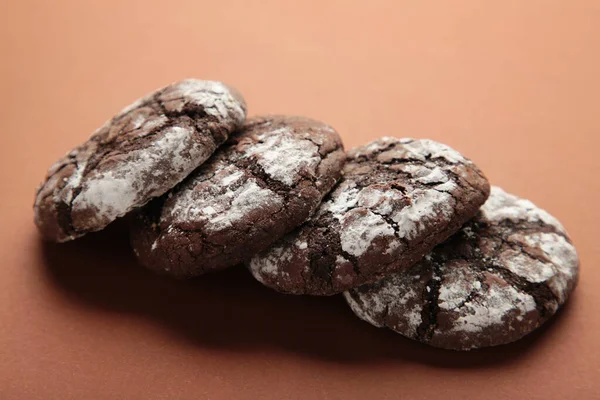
point(233, 312)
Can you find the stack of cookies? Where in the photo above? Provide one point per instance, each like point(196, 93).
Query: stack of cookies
point(408, 230)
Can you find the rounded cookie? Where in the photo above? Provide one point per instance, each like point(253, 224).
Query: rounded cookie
point(398, 199)
point(139, 154)
point(266, 180)
point(500, 277)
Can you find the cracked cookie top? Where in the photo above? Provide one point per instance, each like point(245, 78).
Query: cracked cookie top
point(397, 200)
point(266, 180)
point(500, 277)
point(139, 154)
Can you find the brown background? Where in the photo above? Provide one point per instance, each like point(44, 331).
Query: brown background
point(514, 85)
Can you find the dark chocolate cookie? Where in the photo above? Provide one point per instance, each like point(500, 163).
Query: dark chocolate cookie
point(266, 180)
point(142, 152)
point(398, 199)
point(500, 277)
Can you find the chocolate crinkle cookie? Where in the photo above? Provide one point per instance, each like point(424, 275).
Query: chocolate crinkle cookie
point(397, 200)
point(266, 180)
point(140, 154)
point(500, 277)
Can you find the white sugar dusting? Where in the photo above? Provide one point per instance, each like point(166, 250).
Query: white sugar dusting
point(380, 200)
point(420, 149)
point(416, 170)
point(285, 157)
point(175, 141)
point(529, 268)
point(427, 207)
point(138, 121)
point(268, 264)
point(214, 97)
point(475, 303)
point(250, 197)
point(501, 205)
point(359, 230)
point(139, 175)
point(110, 195)
point(73, 182)
point(344, 198)
point(340, 260)
point(393, 295)
point(413, 319)
point(379, 144)
point(458, 285)
point(398, 295)
point(562, 255)
point(221, 210)
point(446, 187)
point(154, 123)
point(210, 210)
point(364, 312)
point(394, 244)
point(490, 309)
point(435, 175)
point(113, 193)
point(560, 252)
point(563, 263)
point(229, 179)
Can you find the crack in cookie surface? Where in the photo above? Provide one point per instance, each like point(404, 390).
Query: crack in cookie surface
point(267, 179)
point(139, 154)
point(398, 199)
point(501, 276)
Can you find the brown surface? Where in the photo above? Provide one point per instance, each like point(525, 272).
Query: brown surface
point(512, 84)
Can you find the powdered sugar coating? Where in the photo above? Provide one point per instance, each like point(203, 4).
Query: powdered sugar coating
point(373, 306)
point(561, 256)
point(430, 148)
point(523, 265)
point(359, 229)
point(500, 277)
point(266, 180)
point(398, 198)
point(142, 152)
point(380, 200)
point(420, 150)
point(461, 296)
point(364, 312)
point(219, 210)
point(214, 97)
point(477, 316)
point(268, 265)
point(344, 201)
point(504, 206)
point(112, 193)
point(458, 285)
point(426, 207)
point(283, 155)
